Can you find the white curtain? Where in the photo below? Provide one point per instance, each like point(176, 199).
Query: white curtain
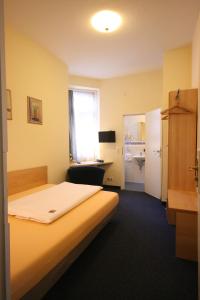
point(86, 124)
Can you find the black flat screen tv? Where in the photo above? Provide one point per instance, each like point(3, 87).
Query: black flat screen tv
point(107, 136)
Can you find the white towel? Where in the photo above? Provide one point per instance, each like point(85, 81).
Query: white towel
point(48, 205)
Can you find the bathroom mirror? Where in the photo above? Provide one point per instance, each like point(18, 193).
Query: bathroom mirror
point(141, 131)
point(134, 128)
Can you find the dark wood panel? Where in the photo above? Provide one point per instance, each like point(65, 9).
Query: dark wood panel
point(186, 236)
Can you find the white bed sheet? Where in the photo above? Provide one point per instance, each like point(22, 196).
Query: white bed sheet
point(48, 205)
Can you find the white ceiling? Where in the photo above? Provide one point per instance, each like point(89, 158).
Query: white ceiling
point(149, 28)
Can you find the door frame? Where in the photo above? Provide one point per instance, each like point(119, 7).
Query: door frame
point(122, 152)
point(4, 228)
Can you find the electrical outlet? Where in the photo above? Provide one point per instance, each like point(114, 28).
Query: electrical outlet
point(109, 178)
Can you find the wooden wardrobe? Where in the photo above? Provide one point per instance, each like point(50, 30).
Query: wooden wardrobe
point(182, 169)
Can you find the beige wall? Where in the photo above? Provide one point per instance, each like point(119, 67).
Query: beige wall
point(196, 56)
point(196, 66)
point(33, 71)
point(135, 94)
point(84, 81)
point(120, 96)
point(177, 68)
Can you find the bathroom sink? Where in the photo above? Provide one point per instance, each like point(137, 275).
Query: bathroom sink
point(139, 157)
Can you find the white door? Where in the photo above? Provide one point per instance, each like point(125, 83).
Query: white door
point(153, 154)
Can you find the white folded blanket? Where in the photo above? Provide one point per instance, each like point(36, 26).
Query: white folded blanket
point(48, 205)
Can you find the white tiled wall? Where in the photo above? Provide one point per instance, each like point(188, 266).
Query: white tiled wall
point(132, 170)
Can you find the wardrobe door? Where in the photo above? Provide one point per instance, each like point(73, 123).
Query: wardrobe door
point(182, 143)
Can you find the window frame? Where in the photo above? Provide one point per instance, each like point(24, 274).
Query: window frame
point(89, 89)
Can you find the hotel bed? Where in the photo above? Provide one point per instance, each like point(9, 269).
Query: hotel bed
point(41, 253)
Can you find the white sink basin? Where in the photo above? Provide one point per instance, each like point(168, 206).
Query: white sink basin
point(139, 157)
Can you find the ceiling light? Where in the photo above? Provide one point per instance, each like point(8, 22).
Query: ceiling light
point(106, 21)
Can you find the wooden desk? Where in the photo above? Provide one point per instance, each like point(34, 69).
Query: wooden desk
point(182, 211)
point(90, 163)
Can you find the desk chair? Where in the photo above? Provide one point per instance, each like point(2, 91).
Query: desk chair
point(86, 175)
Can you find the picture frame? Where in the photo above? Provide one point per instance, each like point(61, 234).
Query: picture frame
point(8, 104)
point(34, 110)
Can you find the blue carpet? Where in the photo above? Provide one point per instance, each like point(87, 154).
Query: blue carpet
point(133, 258)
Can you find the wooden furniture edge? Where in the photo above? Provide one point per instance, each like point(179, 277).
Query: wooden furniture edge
point(182, 211)
point(22, 180)
point(183, 201)
point(38, 291)
point(178, 201)
point(186, 236)
point(97, 164)
point(171, 216)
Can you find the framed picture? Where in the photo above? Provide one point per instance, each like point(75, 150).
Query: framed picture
point(34, 110)
point(9, 104)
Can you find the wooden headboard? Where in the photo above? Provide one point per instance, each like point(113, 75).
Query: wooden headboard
point(22, 180)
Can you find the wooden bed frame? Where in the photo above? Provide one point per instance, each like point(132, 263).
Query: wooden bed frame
point(22, 180)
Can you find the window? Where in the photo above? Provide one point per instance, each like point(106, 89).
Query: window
point(84, 124)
